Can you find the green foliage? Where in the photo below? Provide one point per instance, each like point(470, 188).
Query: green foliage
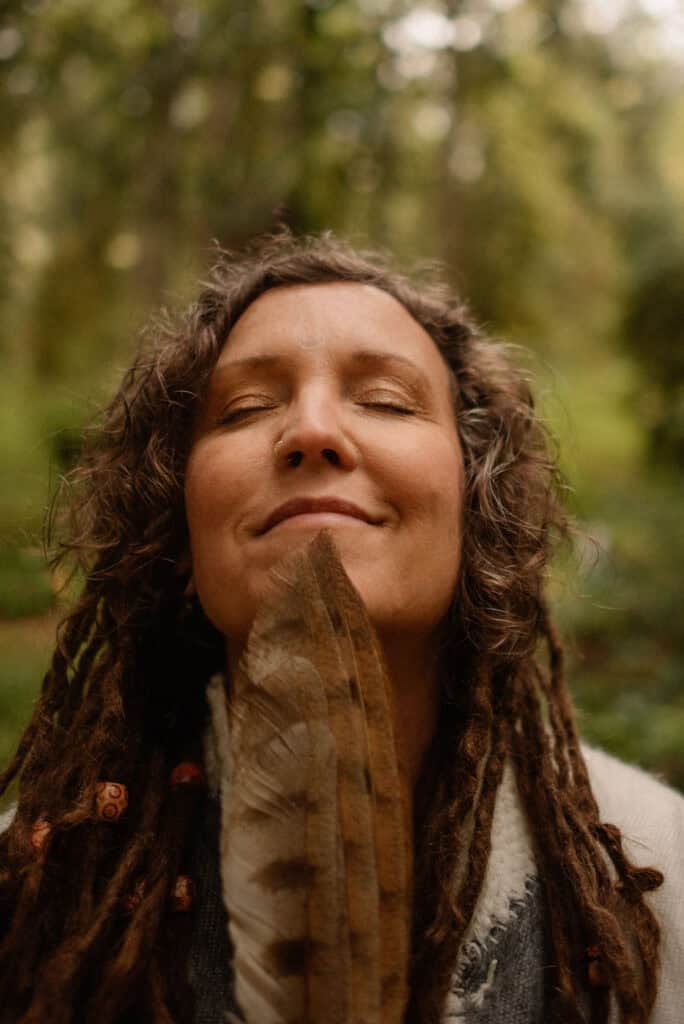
point(536, 153)
point(24, 582)
point(654, 330)
point(628, 647)
point(26, 646)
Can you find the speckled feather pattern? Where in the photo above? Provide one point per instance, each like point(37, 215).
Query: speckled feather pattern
point(315, 838)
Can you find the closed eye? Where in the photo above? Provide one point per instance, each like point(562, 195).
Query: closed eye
point(401, 409)
point(236, 414)
point(385, 398)
point(232, 417)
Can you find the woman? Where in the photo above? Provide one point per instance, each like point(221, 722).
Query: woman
point(308, 372)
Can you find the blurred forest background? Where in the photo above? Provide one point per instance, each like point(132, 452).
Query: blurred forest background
point(534, 146)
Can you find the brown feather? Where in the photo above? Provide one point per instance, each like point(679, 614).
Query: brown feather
point(315, 840)
point(388, 779)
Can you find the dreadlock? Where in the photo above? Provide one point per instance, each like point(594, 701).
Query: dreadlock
point(123, 698)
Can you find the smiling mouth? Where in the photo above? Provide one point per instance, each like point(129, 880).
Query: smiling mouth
point(318, 519)
point(315, 510)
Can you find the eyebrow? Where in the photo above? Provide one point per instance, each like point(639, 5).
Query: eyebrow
point(364, 356)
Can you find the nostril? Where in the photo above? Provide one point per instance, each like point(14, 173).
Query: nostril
point(331, 456)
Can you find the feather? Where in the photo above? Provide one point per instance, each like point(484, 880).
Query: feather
point(387, 777)
point(315, 839)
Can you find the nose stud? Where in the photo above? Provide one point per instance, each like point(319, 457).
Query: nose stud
point(294, 458)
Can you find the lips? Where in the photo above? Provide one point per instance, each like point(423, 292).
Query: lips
point(299, 506)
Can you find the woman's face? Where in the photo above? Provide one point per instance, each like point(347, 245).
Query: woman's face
point(343, 375)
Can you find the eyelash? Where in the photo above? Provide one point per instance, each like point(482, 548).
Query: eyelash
point(232, 417)
point(389, 405)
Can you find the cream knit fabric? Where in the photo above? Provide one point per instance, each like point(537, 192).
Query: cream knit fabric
point(499, 974)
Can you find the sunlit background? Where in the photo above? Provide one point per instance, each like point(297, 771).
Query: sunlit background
point(536, 147)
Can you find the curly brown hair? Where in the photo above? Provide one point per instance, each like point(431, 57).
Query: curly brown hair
point(121, 699)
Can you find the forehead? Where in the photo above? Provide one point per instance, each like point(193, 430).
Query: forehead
point(334, 318)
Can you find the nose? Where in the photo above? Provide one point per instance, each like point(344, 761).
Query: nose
point(314, 433)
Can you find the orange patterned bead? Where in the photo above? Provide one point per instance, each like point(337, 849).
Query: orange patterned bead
point(134, 898)
point(596, 970)
point(111, 800)
point(188, 773)
point(40, 833)
point(183, 894)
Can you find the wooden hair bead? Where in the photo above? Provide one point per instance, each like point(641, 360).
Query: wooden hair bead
point(596, 970)
point(134, 898)
point(111, 800)
point(40, 833)
point(188, 773)
point(183, 894)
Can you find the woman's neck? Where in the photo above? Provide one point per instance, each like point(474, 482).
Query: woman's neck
point(414, 676)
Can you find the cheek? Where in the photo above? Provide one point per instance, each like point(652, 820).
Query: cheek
point(218, 482)
point(214, 489)
point(425, 482)
point(440, 518)
point(200, 509)
point(219, 492)
point(428, 479)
